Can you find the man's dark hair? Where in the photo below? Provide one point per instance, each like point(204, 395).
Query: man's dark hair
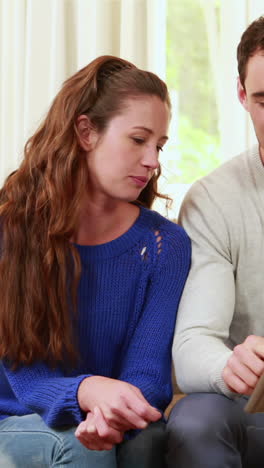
point(252, 40)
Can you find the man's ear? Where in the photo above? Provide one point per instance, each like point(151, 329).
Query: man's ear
point(87, 134)
point(242, 94)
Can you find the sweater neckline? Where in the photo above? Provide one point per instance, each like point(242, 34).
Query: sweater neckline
point(256, 167)
point(256, 157)
point(256, 164)
point(120, 244)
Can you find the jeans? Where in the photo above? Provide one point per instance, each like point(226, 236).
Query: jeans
point(207, 430)
point(27, 442)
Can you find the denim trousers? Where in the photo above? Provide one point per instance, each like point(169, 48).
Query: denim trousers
point(208, 430)
point(27, 442)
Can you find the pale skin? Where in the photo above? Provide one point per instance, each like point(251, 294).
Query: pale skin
point(112, 407)
point(246, 364)
point(120, 164)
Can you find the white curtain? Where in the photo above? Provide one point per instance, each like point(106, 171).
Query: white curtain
point(42, 42)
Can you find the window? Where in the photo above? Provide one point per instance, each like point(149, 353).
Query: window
point(208, 123)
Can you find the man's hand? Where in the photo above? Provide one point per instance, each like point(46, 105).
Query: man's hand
point(122, 404)
point(245, 365)
point(95, 434)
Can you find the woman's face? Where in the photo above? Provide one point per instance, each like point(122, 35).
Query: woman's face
point(123, 159)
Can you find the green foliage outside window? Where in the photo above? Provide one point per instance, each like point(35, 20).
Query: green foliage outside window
point(195, 150)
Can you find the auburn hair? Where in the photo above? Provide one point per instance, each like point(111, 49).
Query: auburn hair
point(40, 207)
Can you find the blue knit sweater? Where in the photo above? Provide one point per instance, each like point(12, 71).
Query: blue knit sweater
point(127, 302)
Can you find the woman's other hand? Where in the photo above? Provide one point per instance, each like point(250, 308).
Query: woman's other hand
point(122, 404)
point(95, 434)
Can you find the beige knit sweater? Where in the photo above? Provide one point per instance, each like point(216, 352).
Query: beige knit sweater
point(223, 300)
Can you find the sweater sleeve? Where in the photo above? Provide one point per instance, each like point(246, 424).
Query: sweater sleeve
point(47, 392)
point(147, 360)
point(207, 306)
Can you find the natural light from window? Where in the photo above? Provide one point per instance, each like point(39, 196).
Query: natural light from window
point(208, 123)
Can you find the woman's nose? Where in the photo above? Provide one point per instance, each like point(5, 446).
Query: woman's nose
point(151, 159)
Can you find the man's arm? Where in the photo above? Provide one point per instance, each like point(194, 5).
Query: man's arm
point(207, 305)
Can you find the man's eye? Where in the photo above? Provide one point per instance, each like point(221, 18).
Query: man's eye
point(159, 148)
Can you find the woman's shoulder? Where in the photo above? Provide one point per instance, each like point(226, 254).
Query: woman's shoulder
point(166, 230)
point(167, 244)
point(158, 221)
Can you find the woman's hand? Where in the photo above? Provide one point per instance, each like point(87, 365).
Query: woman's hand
point(122, 404)
point(95, 434)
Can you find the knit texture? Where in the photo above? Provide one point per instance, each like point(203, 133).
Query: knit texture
point(223, 300)
point(127, 302)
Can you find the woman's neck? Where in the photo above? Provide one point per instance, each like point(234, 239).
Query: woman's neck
point(100, 224)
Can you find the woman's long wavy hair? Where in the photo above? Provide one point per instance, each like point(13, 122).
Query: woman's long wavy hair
point(40, 207)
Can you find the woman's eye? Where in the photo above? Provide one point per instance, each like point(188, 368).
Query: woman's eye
point(138, 141)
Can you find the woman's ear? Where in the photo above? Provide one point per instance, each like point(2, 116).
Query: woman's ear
point(87, 134)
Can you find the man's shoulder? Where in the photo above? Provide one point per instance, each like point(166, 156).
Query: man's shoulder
point(223, 193)
point(229, 179)
point(229, 170)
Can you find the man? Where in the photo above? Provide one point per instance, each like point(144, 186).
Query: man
point(219, 343)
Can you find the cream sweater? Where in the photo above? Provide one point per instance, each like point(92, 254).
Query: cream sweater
point(223, 300)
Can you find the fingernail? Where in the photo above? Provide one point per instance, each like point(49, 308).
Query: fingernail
point(143, 424)
point(91, 429)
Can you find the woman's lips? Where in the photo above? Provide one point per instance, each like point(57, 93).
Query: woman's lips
point(139, 180)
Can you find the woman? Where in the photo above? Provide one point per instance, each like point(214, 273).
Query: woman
point(90, 279)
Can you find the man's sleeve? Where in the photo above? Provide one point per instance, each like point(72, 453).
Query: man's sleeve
point(207, 305)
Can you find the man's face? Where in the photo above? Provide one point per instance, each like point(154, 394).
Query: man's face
point(252, 95)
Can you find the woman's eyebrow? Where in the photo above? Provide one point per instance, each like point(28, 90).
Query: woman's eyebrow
point(139, 127)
